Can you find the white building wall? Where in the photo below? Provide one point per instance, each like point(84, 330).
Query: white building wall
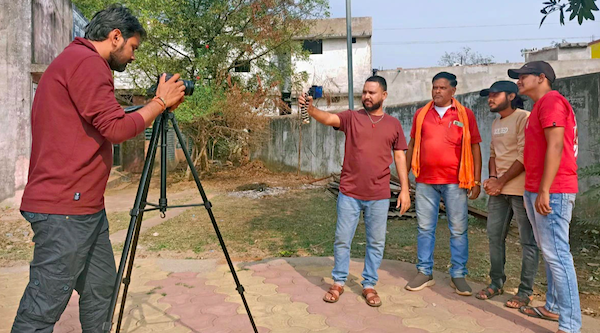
point(543, 55)
point(575, 54)
point(559, 53)
point(414, 85)
point(330, 69)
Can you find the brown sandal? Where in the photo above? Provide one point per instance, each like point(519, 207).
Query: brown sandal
point(374, 297)
point(520, 300)
point(334, 297)
point(489, 292)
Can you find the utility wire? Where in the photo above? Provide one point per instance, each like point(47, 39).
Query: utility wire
point(463, 26)
point(476, 40)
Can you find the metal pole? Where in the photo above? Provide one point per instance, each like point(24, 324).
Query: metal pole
point(349, 41)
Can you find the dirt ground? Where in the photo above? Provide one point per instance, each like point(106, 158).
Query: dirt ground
point(16, 246)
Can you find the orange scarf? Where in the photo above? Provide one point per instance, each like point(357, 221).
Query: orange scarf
point(466, 173)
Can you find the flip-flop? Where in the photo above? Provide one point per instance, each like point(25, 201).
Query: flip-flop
point(536, 313)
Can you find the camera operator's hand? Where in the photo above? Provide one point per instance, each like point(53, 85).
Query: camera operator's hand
point(176, 105)
point(171, 91)
point(305, 100)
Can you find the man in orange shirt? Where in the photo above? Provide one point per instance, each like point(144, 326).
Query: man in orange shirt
point(445, 157)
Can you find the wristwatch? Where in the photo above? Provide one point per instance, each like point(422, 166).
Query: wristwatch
point(478, 183)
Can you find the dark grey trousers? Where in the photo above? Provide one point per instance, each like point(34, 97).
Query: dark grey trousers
point(500, 212)
point(71, 252)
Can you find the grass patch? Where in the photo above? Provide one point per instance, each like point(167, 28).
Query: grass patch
point(120, 220)
point(192, 231)
point(302, 223)
point(15, 240)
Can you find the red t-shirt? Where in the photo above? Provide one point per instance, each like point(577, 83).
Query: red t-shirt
point(75, 118)
point(441, 144)
point(551, 110)
point(368, 154)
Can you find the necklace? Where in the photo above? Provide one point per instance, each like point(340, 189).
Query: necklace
point(374, 122)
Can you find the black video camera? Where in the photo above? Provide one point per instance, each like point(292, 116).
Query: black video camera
point(188, 84)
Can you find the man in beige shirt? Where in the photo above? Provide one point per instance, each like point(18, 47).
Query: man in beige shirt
point(505, 187)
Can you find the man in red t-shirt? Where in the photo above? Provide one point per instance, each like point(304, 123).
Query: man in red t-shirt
point(75, 119)
point(550, 161)
point(371, 136)
point(439, 159)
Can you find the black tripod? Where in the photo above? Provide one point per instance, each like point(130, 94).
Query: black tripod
point(159, 129)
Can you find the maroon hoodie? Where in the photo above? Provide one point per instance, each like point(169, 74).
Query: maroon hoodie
point(75, 119)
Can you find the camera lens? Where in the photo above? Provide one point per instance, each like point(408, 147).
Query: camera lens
point(189, 87)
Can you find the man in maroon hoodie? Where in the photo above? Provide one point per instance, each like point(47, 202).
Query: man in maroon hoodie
point(75, 119)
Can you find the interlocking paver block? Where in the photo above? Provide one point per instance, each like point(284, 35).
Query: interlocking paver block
point(464, 324)
point(437, 312)
point(347, 322)
point(398, 310)
point(427, 323)
point(310, 322)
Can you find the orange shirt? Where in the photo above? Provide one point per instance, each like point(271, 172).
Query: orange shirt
point(441, 140)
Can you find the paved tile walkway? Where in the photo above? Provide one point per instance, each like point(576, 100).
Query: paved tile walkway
point(285, 295)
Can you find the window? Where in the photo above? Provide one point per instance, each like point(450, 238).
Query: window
point(242, 66)
point(353, 40)
point(313, 46)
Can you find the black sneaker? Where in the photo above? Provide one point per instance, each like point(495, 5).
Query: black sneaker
point(461, 286)
point(419, 282)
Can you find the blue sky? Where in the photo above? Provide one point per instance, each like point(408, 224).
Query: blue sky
point(412, 34)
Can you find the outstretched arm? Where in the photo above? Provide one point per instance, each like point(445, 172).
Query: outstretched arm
point(323, 117)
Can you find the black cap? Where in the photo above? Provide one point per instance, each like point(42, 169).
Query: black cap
point(501, 86)
point(534, 67)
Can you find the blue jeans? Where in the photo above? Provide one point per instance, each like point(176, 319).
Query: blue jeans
point(552, 236)
point(427, 203)
point(348, 213)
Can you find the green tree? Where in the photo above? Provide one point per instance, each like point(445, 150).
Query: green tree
point(580, 9)
point(209, 40)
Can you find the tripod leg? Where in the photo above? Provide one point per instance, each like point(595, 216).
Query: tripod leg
point(136, 235)
point(141, 196)
point(162, 202)
point(208, 206)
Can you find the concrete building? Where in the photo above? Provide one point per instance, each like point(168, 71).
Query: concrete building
point(414, 84)
point(327, 63)
point(563, 51)
point(32, 34)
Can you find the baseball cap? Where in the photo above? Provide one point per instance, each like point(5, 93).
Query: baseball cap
point(534, 67)
point(501, 86)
